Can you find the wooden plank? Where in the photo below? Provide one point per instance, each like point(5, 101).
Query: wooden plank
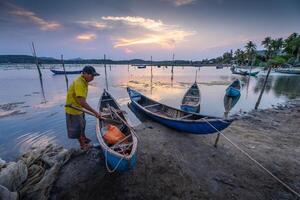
point(192, 97)
point(106, 100)
point(186, 116)
point(152, 105)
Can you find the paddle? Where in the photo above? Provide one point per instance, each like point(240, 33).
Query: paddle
point(90, 113)
point(120, 118)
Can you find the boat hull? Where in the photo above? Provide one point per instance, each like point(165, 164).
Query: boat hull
point(56, 72)
point(189, 108)
point(120, 164)
point(200, 126)
point(288, 71)
point(115, 161)
point(232, 92)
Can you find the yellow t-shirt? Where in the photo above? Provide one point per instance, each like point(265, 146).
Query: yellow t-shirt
point(79, 88)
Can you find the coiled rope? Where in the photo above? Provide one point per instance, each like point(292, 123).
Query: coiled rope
point(255, 161)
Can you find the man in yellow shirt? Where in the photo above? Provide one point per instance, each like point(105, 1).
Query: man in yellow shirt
point(76, 96)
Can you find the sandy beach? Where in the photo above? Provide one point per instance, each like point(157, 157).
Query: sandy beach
point(174, 165)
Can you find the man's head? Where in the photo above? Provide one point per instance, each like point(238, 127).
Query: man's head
point(88, 72)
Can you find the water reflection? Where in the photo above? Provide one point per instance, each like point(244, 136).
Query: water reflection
point(288, 86)
point(44, 123)
point(260, 82)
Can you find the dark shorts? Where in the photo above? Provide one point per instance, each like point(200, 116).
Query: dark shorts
point(75, 125)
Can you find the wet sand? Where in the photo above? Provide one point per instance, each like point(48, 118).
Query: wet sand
point(174, 165)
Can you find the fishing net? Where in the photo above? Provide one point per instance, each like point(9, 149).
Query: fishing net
point(35, 173)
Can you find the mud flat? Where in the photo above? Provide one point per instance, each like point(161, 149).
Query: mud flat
point(174, 165)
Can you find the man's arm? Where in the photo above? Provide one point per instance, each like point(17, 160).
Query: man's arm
point(85, 105)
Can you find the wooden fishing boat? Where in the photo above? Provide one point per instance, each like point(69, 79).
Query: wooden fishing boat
point(230, 102)
point(233, 70)
point(243, 73)
point(191, 99)
point(234, 88)
point(59, 72)
point(175, 118)
point(121, 156)
point(288, 70)
point(140, 66)
point(249, 73)
point(219, 67)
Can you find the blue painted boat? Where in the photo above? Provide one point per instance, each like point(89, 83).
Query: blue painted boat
point(140, 66)
point(175, 118)
point(121, 156)
point(234, 88)
point(59, 72)
point(191, 99)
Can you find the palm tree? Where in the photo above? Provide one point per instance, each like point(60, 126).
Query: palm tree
point(250, 51)
point(239, 55)
point(276, 46)
point(273, 47)
point(288, 45)
point(267, 45)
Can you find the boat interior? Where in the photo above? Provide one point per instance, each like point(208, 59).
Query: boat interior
point(192, 96)
point(167, 111)
point(110, 110)
point(236, 84)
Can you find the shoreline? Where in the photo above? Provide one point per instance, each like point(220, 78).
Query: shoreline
point(174, 165)
point(183, 166)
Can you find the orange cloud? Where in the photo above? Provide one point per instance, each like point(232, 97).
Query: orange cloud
point(138, 21)
point(86, 36)
point(93, 24)
point(157, 32)
point(44, 25)
point(128, 51)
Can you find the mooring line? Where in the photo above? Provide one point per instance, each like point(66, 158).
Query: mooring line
point(255, 161)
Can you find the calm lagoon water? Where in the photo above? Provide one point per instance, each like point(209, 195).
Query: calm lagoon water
point(37, 113)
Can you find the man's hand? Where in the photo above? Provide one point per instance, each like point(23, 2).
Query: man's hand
point(98, 115)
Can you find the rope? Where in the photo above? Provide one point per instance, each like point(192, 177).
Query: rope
point(107, 167)
point(260, 165)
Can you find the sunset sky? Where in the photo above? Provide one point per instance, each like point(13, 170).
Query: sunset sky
point(127, 29)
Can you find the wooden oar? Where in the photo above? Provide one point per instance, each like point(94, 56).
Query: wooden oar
point(120, 118)
point(90, 113)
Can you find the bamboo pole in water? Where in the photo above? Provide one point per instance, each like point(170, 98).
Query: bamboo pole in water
point(172, 71)
point(36, 61)
point(39, 70)
point(63, 65)
point(106, 83)
point(151, 77)
point(263, 89)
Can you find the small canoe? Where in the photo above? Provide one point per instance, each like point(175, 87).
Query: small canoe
point(243, 73)
point(288, 71)
point(233, 90)
point(175, 118)
point(230, 102)
point(191, 99)
point(248, 73)
point(121, 156)
point(233, 70)
point(59, 72)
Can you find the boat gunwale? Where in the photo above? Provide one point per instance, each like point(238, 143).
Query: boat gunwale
point(199, 97)
point(103, 143)
point(211, 118)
